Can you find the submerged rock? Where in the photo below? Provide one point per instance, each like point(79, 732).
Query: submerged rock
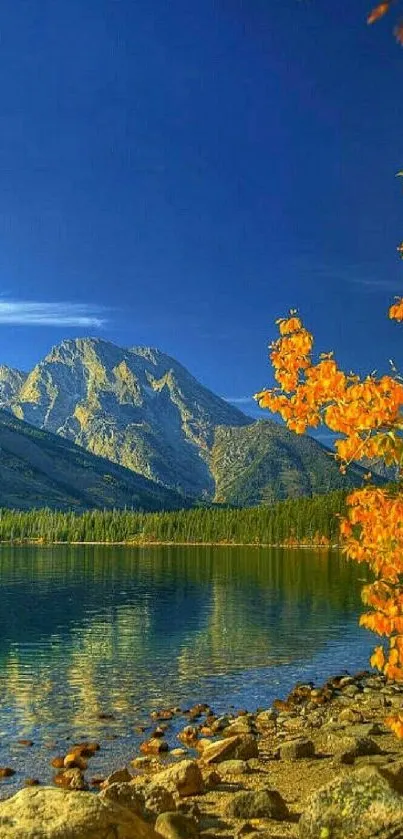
point(154, 746)
point(6, 772)
point(163, 714)
point(189, 734)
point(73, 760)
point(57, 762)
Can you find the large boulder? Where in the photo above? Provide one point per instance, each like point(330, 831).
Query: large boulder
point(359, 747)
point(234, 767)
point(184, 778)
point(242, 725)
point(158, 799)
point(125, 794)
point(296, 749)
point(257, 804)
point(361, 805)
point(393, 772)
point(240, 747)
point(146, 799)
point(119, 776)
point(176, 826)
point(50, 813)
point(364, 729)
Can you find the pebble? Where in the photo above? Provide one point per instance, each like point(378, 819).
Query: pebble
point(70, 779)
point(57, 762)
point(154, 746)
point(6, 772)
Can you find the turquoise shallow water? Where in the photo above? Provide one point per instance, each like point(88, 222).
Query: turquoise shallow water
point(87, 631)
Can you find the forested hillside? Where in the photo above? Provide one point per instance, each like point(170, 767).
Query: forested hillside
point(304, 521)
point(39, 469)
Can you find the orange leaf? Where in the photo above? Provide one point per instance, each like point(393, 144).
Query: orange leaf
point(396, 310)
point(377, 12)
point(378, 659)
point(396, 724)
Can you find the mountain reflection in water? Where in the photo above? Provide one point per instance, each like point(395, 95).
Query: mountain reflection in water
point(91, 630)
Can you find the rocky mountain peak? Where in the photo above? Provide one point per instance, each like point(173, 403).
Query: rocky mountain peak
point(11, 381)
point(138, 407)
point(143, 410)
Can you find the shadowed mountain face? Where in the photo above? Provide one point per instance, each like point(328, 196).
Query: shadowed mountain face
point(39, 469)
point(141, 409)
point(265, 462)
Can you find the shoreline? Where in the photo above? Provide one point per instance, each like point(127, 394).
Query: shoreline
point(317, 737)
point(145, 544)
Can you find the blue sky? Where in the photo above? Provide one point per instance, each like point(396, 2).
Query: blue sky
point(181, 174)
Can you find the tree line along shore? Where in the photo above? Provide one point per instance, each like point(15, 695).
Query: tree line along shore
point(299, 521)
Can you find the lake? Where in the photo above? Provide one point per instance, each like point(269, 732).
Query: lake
point(87, 631)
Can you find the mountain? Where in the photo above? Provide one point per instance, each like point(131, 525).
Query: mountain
point(143, 410)
point(265, 462)
point(137, 407)
point(39, 469)
point(11, 381)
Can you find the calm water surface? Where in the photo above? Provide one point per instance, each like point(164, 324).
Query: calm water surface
point(94, 630)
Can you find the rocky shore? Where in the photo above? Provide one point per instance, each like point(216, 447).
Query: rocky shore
point(320, 764)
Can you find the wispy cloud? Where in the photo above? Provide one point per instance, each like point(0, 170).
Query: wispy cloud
point(356, 274)
point(377, 285)
point(31, 313)
point(240, 400)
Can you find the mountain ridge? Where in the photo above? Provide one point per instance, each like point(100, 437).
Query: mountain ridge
point(270, 463)
point(140, 408)
point(40, 469)
point(136, 407)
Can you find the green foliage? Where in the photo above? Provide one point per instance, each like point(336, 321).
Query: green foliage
point(300, 520)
